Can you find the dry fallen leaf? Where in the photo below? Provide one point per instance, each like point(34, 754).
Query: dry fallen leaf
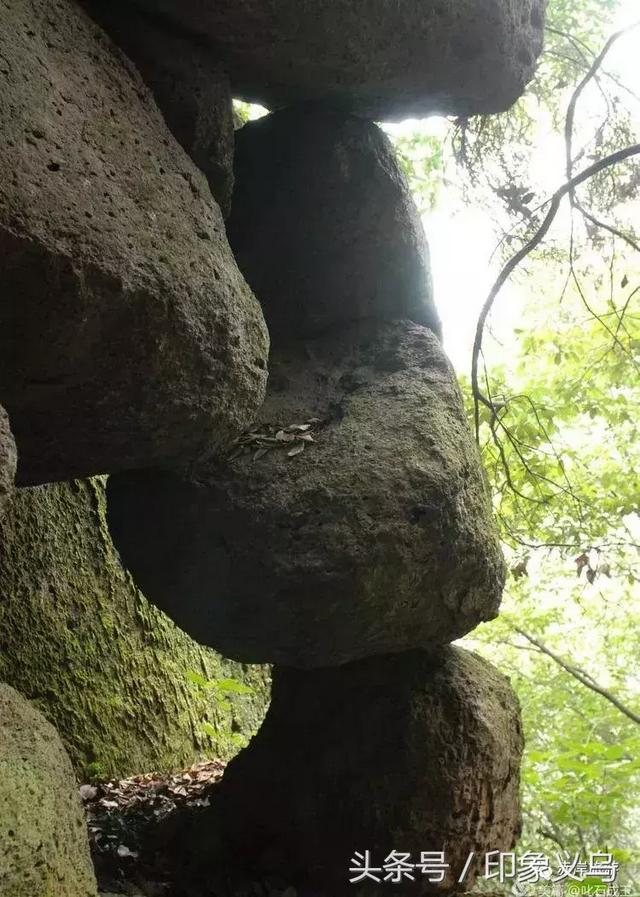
point(88, 792)
point(297, 450)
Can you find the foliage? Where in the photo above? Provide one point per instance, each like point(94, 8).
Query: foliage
point(564, 434)
point(504, 159)
point(559, 434)
point(561, 451)
point(421, 158)
point(223, 692)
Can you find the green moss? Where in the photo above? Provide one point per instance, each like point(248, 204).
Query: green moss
point(111, 672)
point(44, 851)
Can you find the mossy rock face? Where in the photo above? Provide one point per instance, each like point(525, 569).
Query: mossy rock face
point(123, 686)
point(44, 849)
point(8, 461)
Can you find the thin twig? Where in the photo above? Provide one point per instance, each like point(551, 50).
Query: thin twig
point(515, 261)
point(592, 72)
point(580, 675)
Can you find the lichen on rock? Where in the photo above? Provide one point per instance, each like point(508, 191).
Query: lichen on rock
point(44, 849)
point(8, 461)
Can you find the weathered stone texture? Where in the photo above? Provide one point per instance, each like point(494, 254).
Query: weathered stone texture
point(324, 226)
point(188, 84)
point(111, 672)
point(404, 752)
point(128, 336)
point(8, 461)
point(377, 538)
point(383, 60)
point(44, 849)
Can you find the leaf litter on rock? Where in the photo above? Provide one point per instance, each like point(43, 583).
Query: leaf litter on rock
point(293, 437)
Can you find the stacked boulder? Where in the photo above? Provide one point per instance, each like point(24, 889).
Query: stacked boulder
point(406, 753)
point(339, 528)
point(377, 537)
point(346, 538)
point(128, 336)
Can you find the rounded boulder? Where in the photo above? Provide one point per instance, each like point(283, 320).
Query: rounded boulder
point(354, 519)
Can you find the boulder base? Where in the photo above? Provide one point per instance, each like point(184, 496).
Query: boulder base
point(44, 849)
point(405, 753)
point(382, 60)
point(128, 336)
point(376, 538)
point(8, 461)
point(324, 226)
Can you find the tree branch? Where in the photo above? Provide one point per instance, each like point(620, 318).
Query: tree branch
point(514, 262)
point(591, 73)
point(580, 675)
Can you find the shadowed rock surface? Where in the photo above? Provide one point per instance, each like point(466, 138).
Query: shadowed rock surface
point(44, 849)
point(128, 336)
point(380, 59)
point(8, 461)
point(377, 538)
point(403, 752)
point(111, 672)
point(188, 84)
point(324, 226)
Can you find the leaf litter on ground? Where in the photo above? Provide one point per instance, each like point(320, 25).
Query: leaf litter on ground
point(123, 814)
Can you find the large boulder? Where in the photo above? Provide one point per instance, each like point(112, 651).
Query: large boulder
point(380, 59)
point(8, 461)
point(376, 538)
point(44, 849)
point(127, 334)
point(324, 226)
point(188, 84)
point(405, 753)
point(126, 690)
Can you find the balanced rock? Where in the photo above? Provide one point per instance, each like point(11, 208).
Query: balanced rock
point(8, 461)
point(380, 59)
point(376, 538)
point(188, 84)
point(44, 849)
point(406, 753)
point(128, 336)
point(324, 226)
